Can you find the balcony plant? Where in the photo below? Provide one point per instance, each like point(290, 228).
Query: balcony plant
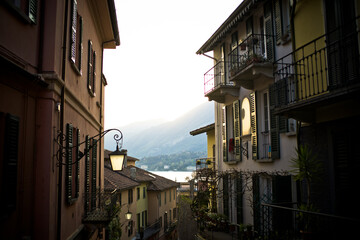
point(307, 169)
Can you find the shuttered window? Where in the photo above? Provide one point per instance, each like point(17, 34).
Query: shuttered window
point(91, 69)
point(90, 173)
point(223, 132)
point(254, 137)
point(237, 143)
point(278, 20)
point(76, 47)
point(274, 125)
point(27, 9)
point(72, 170)
point(239, 199)
point(268, 31)
point(9, 142)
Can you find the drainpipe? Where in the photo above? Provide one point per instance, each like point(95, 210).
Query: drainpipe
point(101, 103)
point(63, 70)
point(209, 57)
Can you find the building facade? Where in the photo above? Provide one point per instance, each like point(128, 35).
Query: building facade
point(51, 99)
point(253, 145)
point(319, 87)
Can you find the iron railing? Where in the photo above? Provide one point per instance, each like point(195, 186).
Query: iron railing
point(216, 77)
point(202, 163)
point(256, 48)
point(327, 63)
point(281, 222)
point(102, 207)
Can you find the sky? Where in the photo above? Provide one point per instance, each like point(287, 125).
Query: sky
point(155, 73)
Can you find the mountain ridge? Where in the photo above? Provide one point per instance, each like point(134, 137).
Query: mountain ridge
point(151, 138)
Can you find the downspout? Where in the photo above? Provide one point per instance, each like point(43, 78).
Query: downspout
point(209, 57)
point(63, 70)
point(101, 104)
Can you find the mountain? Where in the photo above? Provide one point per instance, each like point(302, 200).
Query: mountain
point(151, 138)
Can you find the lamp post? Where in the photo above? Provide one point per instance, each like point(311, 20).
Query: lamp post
point(118, 156)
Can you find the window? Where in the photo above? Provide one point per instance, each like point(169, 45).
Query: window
point(76, 46)
point(72, 164)
point(27, 9)
point(144, 192)
point(174, 213)
point(159, 198)
point(130, 196)
point(91, 69)
point(90, 173)
point(236, 117)
point(9, 137)
point(138, 193)
point(138, 222)
point(165, 197)
point(130, 228)
point(170, 195)
point(224, 135)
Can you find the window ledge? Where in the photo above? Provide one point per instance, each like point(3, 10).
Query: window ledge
point(75, 68)
point(290, 134)
point(264, 160)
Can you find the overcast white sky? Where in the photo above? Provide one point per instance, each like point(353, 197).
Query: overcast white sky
point(155, 72)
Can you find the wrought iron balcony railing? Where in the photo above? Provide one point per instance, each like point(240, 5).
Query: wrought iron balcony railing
point(327, 64)
point(101, 207)
point(294, 223)
point(257, 48)
point(216, 77)
point(205, 163)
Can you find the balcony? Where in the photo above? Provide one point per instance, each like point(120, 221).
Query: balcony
point(102, 206)
point(319, 78)
point(149, 231)
point(216, 84)
point(250, 63)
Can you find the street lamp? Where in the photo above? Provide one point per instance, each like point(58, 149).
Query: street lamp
point(118, 156)
point(118, 159)
point(128, 215)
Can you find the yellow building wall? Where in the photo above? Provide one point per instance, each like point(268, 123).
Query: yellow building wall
point(141, 204)
point(309, 24)
point(210, 143)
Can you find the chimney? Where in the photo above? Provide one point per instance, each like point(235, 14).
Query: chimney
point(133, 172)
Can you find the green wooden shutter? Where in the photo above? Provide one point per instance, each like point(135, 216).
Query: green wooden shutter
point(278, 20)
point(33, 10)
point(94, 72)
point(256, 201)
point(77, 163)
point(226, 194)
point(239, 199)
point(269, 32)
point(236, 116)
point(254, 141)
point(87, 174)
point(10, 164)
point(69, 161)
point(224, 137)
point(90, 65)
point(93, 173)
point(73, 31)
point(274, 125)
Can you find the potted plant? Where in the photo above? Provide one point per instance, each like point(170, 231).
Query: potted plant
point(307, 169)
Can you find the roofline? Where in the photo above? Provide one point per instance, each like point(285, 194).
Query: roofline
point(203, 129)
point(235, 17)
point(114, 24)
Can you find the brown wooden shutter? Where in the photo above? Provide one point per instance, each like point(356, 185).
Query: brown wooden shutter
point(254, 141)
point(80, 44)
point(94, 72)
point(268, 31)
point(77, 172)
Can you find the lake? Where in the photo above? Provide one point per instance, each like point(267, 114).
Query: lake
point(177, 176)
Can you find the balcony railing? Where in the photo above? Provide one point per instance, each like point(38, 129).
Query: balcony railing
point(102, 206)
point(280, 220)
point(150, 230)
point(216, 77)
point(327, 64)
point(205, 163)
point(257, 48)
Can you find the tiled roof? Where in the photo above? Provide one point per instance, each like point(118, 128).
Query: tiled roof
point(115, 180)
